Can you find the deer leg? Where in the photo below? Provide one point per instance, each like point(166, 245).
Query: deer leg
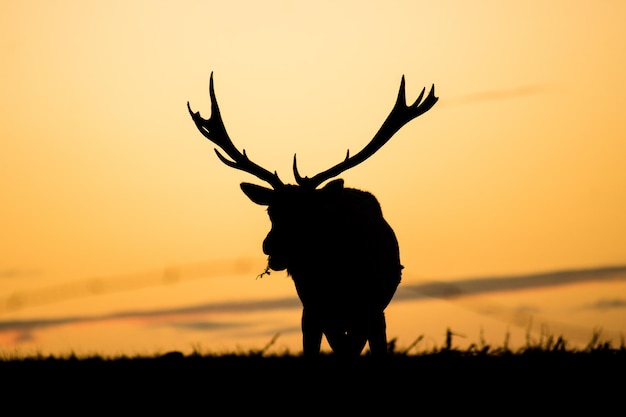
point(311, 333)
point(377, 334)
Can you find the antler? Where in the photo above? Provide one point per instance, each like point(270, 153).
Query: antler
point(400, 115)
point(213, 129)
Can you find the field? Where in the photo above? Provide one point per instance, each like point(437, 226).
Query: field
point(539, 379)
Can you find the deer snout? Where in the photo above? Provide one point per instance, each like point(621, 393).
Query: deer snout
point(268, 244)
point(275, 257)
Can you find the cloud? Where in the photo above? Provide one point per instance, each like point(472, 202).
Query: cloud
point(476, 286)
point(604, 304)
point(523, 315)
point(10, 273)
point(406, 292)
point(206, 325)
point(227, 307)
point(96, 286)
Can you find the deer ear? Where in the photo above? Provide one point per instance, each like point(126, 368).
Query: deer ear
point(335, 186)
point(259, 195)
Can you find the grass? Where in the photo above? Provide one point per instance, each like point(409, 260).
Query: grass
point(545, 376)
point(545, 343)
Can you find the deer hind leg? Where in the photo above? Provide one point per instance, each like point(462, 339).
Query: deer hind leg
point(311, 333)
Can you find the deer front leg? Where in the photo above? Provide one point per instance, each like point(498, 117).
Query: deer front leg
point(377, 334)
point(311, 333)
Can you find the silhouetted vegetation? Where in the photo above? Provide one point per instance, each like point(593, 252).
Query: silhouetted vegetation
point(545, 373)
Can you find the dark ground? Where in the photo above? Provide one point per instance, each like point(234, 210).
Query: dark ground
point(446, 382)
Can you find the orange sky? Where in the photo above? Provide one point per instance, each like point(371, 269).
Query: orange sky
point(518, 168)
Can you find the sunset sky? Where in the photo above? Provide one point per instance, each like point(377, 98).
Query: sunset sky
point(518, 169)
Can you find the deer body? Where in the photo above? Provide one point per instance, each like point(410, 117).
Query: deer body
point(333, 241)
point(343, 257)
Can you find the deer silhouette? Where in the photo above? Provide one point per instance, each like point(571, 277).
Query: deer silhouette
point(333, 241)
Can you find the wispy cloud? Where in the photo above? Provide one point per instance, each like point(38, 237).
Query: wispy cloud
point(98, 285)
point(406, 292)
point(250, 306)
point(482, 285)
point(10, 273)
point(523, 315)
point(604, 304)
point(227, 307)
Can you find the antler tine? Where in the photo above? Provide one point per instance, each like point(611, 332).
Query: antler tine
point(400, 115)
point(215, 131)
